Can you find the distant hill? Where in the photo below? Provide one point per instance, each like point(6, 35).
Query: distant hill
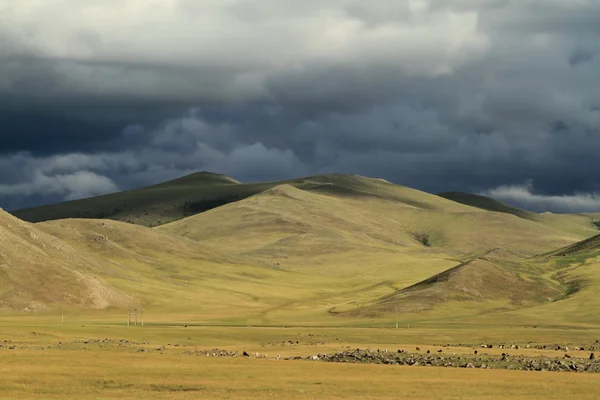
point(587, 246)
point(487, 203)
point(298, 250)
point(203, 191)
point(152, 205)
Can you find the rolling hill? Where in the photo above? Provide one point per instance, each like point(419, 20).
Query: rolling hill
point(38, 270)
point(320, 249)
point(199, 192)
point(487, 203)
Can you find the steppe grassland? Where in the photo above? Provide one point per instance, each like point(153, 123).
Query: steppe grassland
point(86, 371)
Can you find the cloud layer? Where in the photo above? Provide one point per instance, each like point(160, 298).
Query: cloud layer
point(525, 197)
point(99, 96)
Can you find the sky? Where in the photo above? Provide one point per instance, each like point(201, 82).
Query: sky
point(495, 97)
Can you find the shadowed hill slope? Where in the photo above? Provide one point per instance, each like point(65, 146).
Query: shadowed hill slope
point(151, 205)
point(585, 247)
point(576, 224)
point(577, 268)
point(479, 280)
point(196, 193)
point(487, 203)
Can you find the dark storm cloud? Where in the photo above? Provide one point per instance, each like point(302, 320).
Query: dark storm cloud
point(491, 96)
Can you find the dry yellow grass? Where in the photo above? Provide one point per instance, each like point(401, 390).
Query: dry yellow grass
point(96, 375)
point(86, 371)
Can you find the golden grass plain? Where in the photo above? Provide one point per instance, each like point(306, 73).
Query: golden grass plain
point(79, 370)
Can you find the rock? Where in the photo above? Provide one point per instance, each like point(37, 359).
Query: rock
point(469, 365)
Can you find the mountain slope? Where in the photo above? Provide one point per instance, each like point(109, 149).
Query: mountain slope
point(195, 193)
point(364, 235)
point(37, 270)
point(151, 205)
point(585, 247)
point(486, 203)
point(294, 251)
point(479, 280)
point(108, 265)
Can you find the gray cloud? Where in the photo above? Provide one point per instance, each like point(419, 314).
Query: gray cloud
point(523, 196)
point(446, 95)
point(69, 186)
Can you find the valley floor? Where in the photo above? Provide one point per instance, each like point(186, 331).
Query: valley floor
point(99, 357)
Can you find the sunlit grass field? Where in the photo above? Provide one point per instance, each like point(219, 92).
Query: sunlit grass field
point(79, 368)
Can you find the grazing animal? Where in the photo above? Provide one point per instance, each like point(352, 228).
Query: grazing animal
point(256, 355)
point(418, 349)
point(246, 354)
point(475, 351)
point(567, 356)
point(439, 350)
point(428, 352)
point(592, 357)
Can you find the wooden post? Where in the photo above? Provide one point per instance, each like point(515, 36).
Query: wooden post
point(128, 318)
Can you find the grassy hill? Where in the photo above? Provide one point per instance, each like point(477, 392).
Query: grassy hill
point(326, 249)
point(575, 223)
point(195, 193)
point(38, 270)
point(151, 205)
point(487, 203)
